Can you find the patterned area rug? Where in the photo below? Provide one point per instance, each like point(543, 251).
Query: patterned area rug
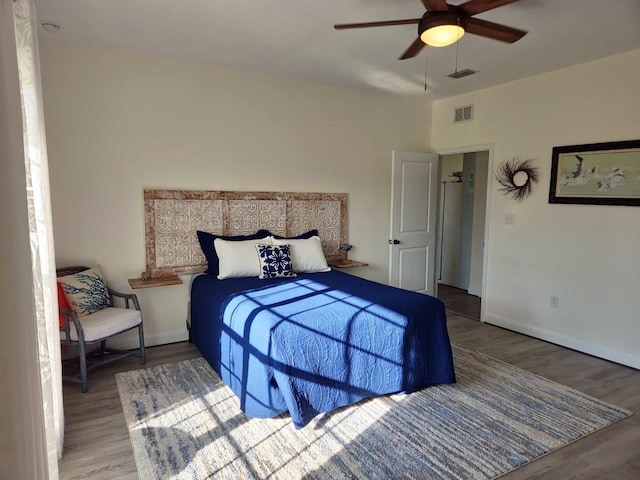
point(185, 424)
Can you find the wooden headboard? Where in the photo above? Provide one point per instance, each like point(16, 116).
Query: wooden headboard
point(172, 218)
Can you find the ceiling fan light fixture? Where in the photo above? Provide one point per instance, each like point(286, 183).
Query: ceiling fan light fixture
point(442, 35)
point(439, 29)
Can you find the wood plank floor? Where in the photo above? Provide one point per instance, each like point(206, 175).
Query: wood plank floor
point(97, 443)
point(459, 301)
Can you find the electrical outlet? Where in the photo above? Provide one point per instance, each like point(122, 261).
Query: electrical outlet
point(509, 219)
point(555, 301)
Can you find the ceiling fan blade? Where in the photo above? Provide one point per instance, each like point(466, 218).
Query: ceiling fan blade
point(473, 7)
point(343, 26)
point(413, 50)
point(494, 30)
point(435, 5)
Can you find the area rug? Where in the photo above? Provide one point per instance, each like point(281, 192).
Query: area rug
point(184, 423)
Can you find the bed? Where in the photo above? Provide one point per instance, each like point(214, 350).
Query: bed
point(319, 341)
point(283, 330)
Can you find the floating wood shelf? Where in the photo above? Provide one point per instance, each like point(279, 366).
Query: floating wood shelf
point(343, 263)
point(154, 282)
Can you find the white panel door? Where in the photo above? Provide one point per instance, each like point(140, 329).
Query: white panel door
point(412, 244)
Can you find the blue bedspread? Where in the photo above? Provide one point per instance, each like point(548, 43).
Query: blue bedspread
point(319, 341)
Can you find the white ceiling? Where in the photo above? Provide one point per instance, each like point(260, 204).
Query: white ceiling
point(295, 38)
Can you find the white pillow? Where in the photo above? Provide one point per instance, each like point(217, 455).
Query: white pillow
point(306, 254)
point(239, 258)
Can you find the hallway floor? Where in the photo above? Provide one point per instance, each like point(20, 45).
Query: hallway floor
point(459, 301)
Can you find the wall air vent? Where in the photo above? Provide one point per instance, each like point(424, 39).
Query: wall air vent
point(463, 114)
point(462, 73)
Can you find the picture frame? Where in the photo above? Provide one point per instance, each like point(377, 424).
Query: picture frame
point(596, 174)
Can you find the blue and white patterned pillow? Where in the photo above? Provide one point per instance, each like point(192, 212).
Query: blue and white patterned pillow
point(86, 291)
point(275, 261)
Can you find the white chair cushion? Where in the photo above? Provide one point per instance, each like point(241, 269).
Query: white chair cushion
point(105, 322)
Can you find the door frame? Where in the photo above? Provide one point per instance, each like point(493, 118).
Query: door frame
point(485, 254)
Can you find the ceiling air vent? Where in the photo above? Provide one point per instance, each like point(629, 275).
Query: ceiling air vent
point(462, 73)
point(463, 114)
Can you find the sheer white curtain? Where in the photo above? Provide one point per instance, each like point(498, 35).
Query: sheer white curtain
point(40, 229)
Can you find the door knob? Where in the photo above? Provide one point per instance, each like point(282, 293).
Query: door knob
point(394, 242)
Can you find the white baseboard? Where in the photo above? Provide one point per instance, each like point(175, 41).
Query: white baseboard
point(565, 341)
point(130, 342)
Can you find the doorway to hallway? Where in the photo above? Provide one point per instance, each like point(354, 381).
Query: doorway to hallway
point(462, 214)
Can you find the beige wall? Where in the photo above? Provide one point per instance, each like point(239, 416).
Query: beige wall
point(589, 256)
point(119, 121)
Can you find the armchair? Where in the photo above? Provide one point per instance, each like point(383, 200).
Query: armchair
point(89, 315)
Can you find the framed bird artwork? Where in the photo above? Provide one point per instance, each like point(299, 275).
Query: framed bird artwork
point(596, 174)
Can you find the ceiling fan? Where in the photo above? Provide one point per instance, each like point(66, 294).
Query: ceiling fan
point(444, 24)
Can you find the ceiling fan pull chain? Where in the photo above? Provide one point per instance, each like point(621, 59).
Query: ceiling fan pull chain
point(457, 50)
point(426, 67)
